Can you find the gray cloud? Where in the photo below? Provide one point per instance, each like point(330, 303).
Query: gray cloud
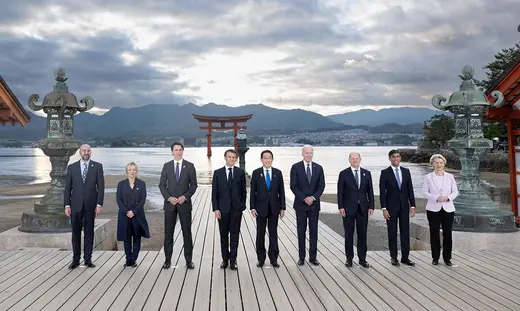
point(332, 54)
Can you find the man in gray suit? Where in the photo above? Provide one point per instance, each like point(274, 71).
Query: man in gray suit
point(178, 184)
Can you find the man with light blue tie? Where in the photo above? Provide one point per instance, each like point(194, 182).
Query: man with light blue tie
point(398, 203)
point(83, 199)
point(267, 203)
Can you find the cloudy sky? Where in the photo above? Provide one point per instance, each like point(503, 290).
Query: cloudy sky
point(328, 56)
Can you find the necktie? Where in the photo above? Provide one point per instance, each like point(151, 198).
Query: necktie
point(309, 176)
point(177, 172)
point(230, 177)
point(268, 179)
point(398, 178)
point(84, 175)
point(356, 176)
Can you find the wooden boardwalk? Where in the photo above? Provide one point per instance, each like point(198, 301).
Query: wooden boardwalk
point(40, 280)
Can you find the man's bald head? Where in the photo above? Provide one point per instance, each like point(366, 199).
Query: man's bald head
point(85, 152)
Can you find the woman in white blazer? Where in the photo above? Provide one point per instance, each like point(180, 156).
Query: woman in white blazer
point(440, 189)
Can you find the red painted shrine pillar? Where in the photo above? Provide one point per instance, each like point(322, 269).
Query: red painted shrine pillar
point(209, 139)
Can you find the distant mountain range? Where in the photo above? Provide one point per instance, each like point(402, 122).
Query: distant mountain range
point(401, 116)
point(177, 121)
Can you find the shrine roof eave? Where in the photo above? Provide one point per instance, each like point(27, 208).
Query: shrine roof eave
point(10, 103)
point(508, 84)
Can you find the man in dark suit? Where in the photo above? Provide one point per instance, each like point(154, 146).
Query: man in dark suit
point(396, 196)
point(178, 183)
point(228, 196)
point(83, 200)
point(267, 201)
point(307, 184)
point(355, 204)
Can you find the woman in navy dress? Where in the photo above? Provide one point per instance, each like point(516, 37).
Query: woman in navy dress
point(131, 220)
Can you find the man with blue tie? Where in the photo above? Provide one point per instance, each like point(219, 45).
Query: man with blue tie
point(355, 204)
point(398, 203)
point(267, 202)
point(83, 196)
point(307, 184)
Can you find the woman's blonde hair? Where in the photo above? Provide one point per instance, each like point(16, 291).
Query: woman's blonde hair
point(437, 156)
point(131, 164)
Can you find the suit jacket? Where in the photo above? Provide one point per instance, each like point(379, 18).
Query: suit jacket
point(349, 196)
point(301, 187)
point(136, 206)
point(391, 197)
point(260, 197)
point(186, 186)
point(431, 192)
point(91, 193)
point(225, 198)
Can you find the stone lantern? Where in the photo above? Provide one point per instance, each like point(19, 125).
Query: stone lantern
point(475, 211)
point(242, 149)
point(59, 145)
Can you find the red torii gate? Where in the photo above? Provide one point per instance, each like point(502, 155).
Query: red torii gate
point(221, 125)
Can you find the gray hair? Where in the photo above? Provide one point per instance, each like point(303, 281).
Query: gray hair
point(437, 156)
point(307, 146)
point(353, 153)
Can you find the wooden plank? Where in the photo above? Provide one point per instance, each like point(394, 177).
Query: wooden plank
point(113, 259)
point(112, 289)
point(12, 295)
point(144, 289)
point(207, 265)
point(262, 290)
point(18, 272)
point(18, 260)
point(218, 280)
point(41, 298)
point(247, 286)
point(191, 277)
point(442, 300)
point(360, 283)
point(449, 285)
point(130, 288)
point(73, 287)
point(293, 290)
point(288, 277)
point(486, 265)
point(157, 293)
point(473, 282)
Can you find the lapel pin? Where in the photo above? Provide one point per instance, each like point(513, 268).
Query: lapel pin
point(137, 188)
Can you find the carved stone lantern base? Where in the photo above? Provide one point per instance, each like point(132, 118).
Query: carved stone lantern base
point(49, 214)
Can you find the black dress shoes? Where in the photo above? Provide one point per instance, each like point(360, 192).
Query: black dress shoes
point(128, 263)
point(224, 264)
point(448, 263)
point(190, 265)
point(260, 264)
point(89, 264)
point(167, 264)
point(300, 262)
point(233, 266)
point(408, 262)
point(314, 262)
point(435, 262)
point(395, 262)
point(74, 265)
point(348, 263)
point(134, 264)
point(275, 264)
point(363, 263)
